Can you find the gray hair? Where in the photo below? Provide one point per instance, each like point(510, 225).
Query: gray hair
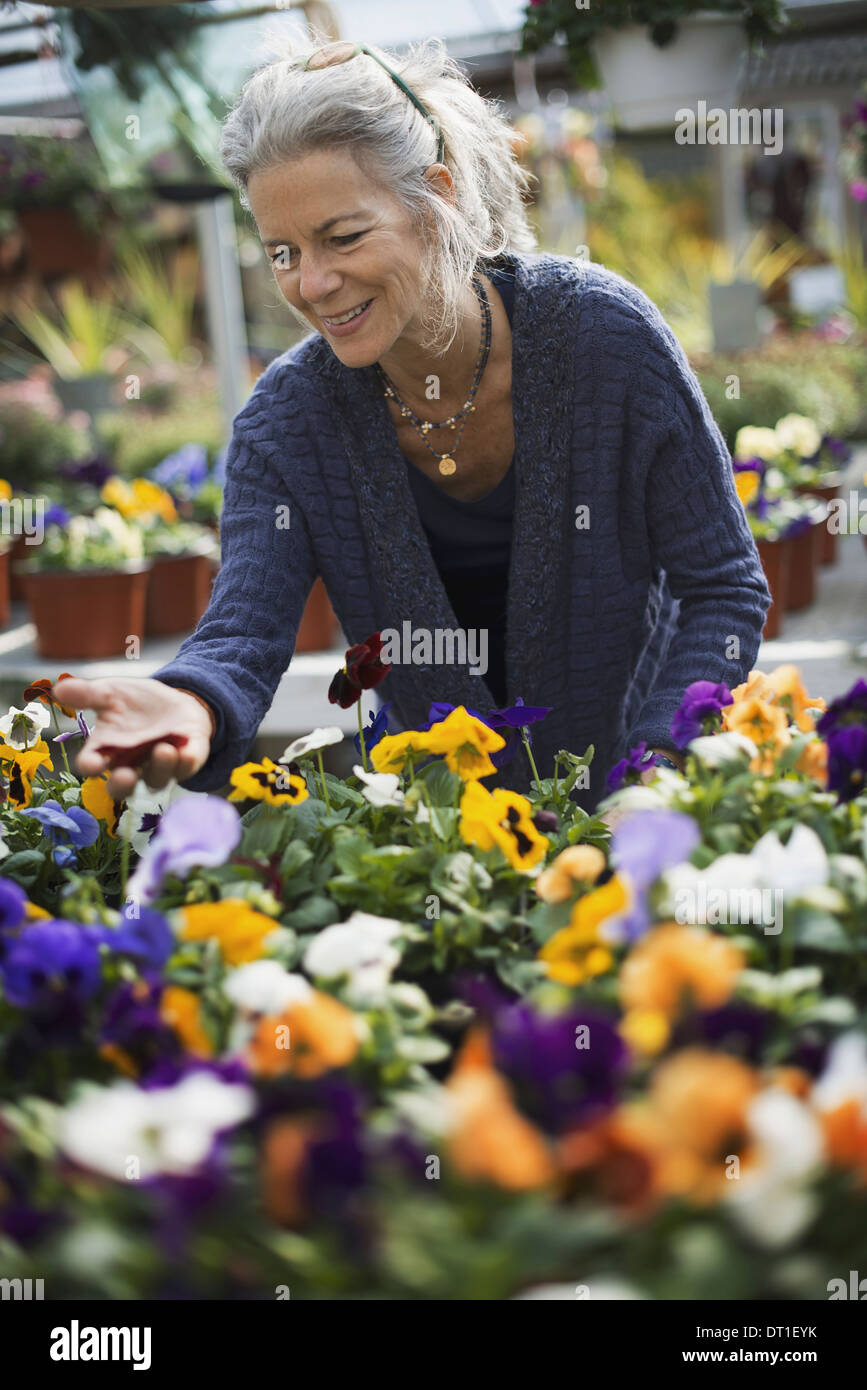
point(284, 112)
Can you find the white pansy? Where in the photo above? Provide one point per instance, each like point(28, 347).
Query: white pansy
point(802, 863)
point(22, 727)
point(266, 987)
point(723, 750)
point(360, 950)
point(755, 441)
point(311, 743)
point(166, 1130)
point(845, 1075)
point(635, 798)
point(771, 1199)
point(380, 788)
point(144, 801)
point(800, 434)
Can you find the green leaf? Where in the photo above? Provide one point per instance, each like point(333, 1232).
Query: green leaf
point(24, 867)
point(819, 930)
point(314, 912)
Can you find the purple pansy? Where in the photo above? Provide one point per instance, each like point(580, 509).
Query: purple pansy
point(81, 732)
point(143, 933)
point(843, 726)
point(13, 904)
point(630, 768)
point(68, 829)
point(557, 1082)
point(194, 832)
point(507, 722)
point(699, 711)
point(55, 515)
point(643, 846)
point(185, 470)
point(48, 958)
point(375, 730)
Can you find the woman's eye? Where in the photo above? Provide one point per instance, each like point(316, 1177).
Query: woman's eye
point(282, 257)
point(348, 239)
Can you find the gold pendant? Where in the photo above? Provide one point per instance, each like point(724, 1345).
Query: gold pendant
point(447, 466)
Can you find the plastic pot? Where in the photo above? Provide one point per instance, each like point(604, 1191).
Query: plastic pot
point(87, 614)
point(776, 560)
point(179, 590)
point(319, 626)
point(826, 493)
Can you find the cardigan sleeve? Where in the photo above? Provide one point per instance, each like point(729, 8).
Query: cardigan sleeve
point(245, 640)
point(697, 534)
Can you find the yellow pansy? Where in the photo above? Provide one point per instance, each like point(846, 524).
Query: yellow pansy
point(20, 766)
point(789, 692)
point(577, 952)
point(501, 818)
point(765, 723)
point(237, 927)
point(139, 500)
point(95, 798)
point(675, 966)
point(392, 752)
point(466, 744)
point(575, 864)
point(181, 1009)
point(645, 1030)
point(747, 485)
point(34, 913)
point(5, 490)
point(267, 781)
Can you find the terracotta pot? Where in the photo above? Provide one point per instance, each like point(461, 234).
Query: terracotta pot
point(87, 614)
point(825, 493)
point(776, 559)
point(319, 626)
point(179, 589)
point(806, 548)
point(56, 244)
point(4, 586)
point(20, 551)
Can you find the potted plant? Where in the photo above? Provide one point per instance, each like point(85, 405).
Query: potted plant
point(184, 559)
point(767, 524)
point(652, 62)
point(85, 338)
point(56, 188)
point(803, 520)
point(812, 465)
point(86, 586)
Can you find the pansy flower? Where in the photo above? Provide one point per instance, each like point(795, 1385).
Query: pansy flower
point(577, 952)
point(363, 669)
point(375, 730)
point(13, 904)
point(236, 927)
point(699, 711)
point(42, 690)
point(267, 781)
point(195, 831)
point(22, 728)
point(68, 829)
point(501, 818)
point(49, 958)
point(311, 743)
point(21, 768)
point(630, 768)
point(466, 743)
point(95, 798)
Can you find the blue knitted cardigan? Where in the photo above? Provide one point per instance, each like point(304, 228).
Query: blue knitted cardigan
point(633, 571)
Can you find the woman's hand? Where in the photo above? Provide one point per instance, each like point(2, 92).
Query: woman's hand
point(134, 712)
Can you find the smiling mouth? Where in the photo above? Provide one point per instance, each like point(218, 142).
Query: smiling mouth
point(338, 319)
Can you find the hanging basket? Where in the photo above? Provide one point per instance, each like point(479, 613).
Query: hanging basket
point(648, 85)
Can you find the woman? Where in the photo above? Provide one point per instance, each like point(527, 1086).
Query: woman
point(475, 438)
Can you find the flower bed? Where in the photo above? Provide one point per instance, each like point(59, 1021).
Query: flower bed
point(410, 1035)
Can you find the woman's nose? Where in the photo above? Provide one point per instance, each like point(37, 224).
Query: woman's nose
point(316, 280)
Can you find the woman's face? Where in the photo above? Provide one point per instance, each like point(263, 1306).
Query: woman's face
point(338, 241)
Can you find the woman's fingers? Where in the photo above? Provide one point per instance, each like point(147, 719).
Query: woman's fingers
point(161, 766)
point(121, 783)
point(83, 694)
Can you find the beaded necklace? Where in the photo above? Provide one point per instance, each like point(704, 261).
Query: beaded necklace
point(446, 461)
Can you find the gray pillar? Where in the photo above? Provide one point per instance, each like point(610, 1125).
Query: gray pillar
point(224, 302)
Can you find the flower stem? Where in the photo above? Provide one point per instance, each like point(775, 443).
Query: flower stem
point(124, 856)
point(322, 781)
point(365, 763)
point(526, 739)
point(63, 745)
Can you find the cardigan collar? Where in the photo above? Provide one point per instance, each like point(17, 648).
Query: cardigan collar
point(408, 582)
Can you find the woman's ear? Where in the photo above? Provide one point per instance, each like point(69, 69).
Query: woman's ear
point(439, 175)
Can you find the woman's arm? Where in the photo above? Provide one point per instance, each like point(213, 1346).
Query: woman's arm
point(698, 534)
point(235, 658)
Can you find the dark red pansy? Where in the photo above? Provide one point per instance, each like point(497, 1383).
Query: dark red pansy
point(364, 668)
point(44, 690)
